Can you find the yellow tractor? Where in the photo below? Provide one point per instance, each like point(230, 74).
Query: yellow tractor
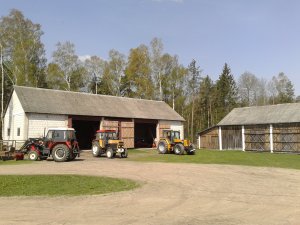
point(171, 143)
point(107, 142)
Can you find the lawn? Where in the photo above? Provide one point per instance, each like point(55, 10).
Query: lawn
point(221, 157)
point(56, 185)
point(14, 162)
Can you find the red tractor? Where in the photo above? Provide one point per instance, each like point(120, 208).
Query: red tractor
point(60, 143)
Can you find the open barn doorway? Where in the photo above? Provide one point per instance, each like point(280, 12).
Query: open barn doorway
point(85, 132)
point(144, 133)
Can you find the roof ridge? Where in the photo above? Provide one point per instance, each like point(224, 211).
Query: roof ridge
point(85, 93)
point(264, 106)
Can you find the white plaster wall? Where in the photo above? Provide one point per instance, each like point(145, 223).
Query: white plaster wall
point(14, 118)
point(38, 123)
point(176, 126)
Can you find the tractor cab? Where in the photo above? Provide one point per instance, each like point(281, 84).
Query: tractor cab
point(61, 135)
point(173, 136)
point(106, 135)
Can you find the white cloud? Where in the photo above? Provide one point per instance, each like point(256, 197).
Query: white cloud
point(82, 58)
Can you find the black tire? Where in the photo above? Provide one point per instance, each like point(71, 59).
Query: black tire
point(178, 149)
point(124, 154)
point(191, 150)
point(109, 153)
point(162, 147)
point(72, 156)
point(33, 155)
point(43, 157)
point(96, 151)
point(60, 153)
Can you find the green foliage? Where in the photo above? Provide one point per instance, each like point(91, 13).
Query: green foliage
point(67, 73)
point(58, 185)
point(205, 104)
point(282, 89)
point(24, 53)
point(226, 93)
point(137, 81)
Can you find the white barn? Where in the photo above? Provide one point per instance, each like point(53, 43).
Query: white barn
point(31, 111)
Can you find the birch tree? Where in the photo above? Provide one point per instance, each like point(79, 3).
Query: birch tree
point(116, 67)
point(23, 51)
point(66, 67)
point(248, 85)
point(95, 69)
point(157, 66)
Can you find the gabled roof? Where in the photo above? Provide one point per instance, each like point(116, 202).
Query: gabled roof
point(270, 114)
point(38, 100)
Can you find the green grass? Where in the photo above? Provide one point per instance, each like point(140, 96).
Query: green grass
point(14, 162)
point(57, 185)
point(221, 157)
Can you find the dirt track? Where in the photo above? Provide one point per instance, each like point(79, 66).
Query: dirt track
point(171, 194)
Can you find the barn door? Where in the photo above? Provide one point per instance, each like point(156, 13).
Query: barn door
point(127, 134)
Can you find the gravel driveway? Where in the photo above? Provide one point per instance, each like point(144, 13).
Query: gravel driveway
point(171, 194)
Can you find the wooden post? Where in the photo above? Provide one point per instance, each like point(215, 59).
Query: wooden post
point(271, 138)
point(199, 141)
point(70, 122)
point(220, 138)
point(243, 138)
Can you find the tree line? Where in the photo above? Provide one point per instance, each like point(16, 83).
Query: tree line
point(147, 72)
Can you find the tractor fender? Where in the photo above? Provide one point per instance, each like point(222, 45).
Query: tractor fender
point(32, 147)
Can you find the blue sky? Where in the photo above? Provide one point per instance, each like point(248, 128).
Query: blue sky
point(259, 36)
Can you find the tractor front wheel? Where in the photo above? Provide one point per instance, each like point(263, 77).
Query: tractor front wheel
point(162, 147)
point(179, 149)
point(109, 153)
point(60, 153)
point(95, 150)
point(33, 155)
point(72, 156)
point(124, 154)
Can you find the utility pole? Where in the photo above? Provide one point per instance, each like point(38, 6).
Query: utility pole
point(2, 90)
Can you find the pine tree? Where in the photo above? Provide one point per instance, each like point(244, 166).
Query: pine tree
point(226, 93)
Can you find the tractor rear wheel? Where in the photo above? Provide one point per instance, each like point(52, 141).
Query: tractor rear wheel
point(179, 149)
point(60, 153)
point(124, 154)
point(162, 147)
point(95, 150)
point(109, 153)
point(33, 155)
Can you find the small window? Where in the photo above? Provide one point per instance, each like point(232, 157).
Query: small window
point(8, 131)
point(19, 131)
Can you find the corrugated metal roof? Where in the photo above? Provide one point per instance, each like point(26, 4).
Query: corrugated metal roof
point(270, 114)
point(38, 100)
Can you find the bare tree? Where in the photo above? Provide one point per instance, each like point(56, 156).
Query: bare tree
point(94, 67)
point(156, 65)
point(248, 87)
